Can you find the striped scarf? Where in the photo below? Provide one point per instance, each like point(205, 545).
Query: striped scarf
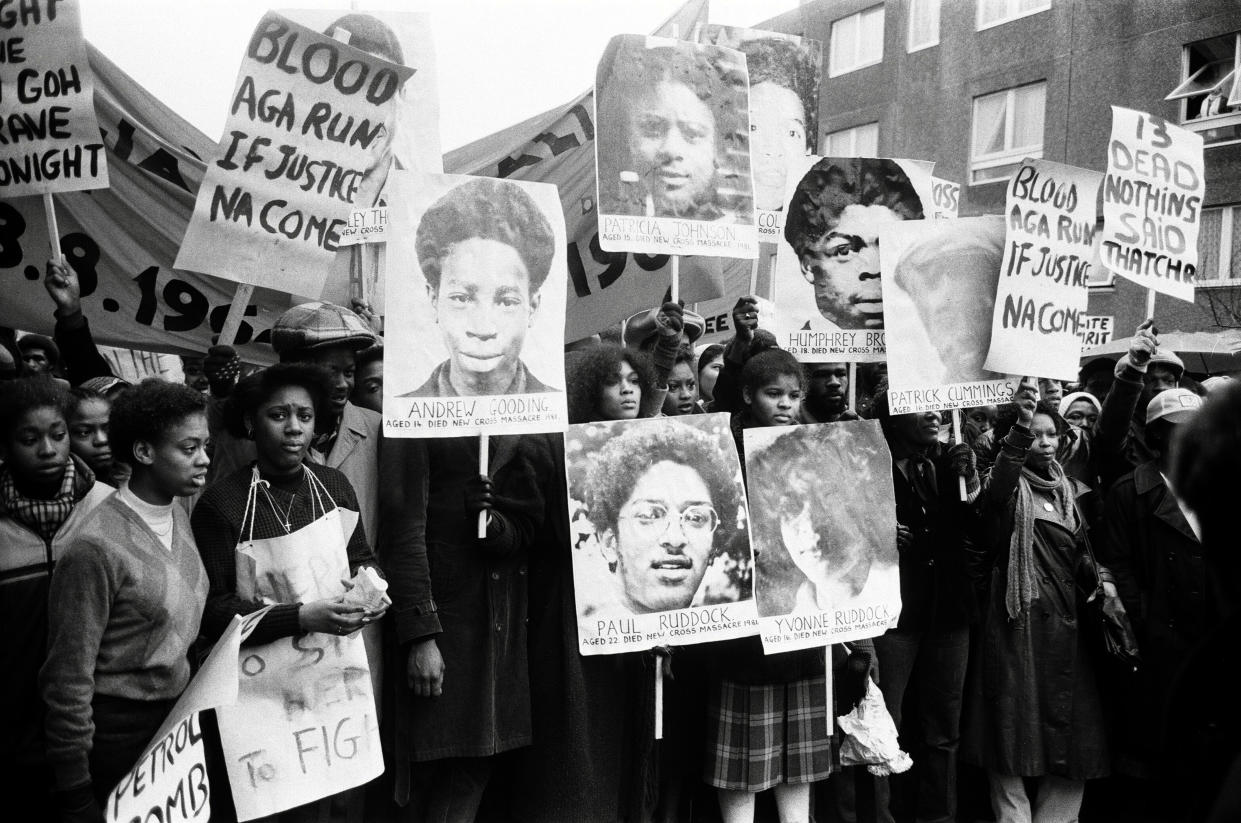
point(1022, 589)
point(45, 517)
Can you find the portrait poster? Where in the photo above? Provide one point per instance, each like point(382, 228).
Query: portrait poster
point(1047, 265)
point(476, 283)
point(672, 149)
point(1152, 202)
point(660, 533)
point(824, 530)
point(784, 72)
point(49, 137)
point(826, 284)
point(309, 137)
point(939, 286)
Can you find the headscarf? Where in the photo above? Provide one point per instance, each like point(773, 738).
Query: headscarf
point(1022, 590)
point(1072, 397)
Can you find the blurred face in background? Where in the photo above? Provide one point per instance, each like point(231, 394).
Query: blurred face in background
point(682, 397)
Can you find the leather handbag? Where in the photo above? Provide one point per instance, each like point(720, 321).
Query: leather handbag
point(1107, 616)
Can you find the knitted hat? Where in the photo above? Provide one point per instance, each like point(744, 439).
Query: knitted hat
point(1165, 357)
point(106, 386)
point(1173, 405)
point(39, 341)
point(317, 325)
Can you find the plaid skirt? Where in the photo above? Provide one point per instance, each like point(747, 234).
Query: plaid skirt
point(761, 735)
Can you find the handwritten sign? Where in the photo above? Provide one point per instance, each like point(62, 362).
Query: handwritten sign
point(1095, 330)
point(945, 199)
point(307, 134)
point(169, 781)
point(1050, 215)
point(365, 226)
point(1152, 202)
point(49, 137)
point(939, 287)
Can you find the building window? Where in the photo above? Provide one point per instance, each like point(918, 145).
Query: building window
point(857, 41)
point(923, 24)
point(859, 141)
point(1008, 126)
point(1219, 245)
point(1210, 89)
point(994, 12)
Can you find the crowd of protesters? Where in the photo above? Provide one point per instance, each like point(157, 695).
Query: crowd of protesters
point(122, 507)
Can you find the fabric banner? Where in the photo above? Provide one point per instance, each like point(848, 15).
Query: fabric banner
point(169, 782)
point(1152, 202)
point(49, 137)
point(673, 149)
point(945, 199)
point(824, 527)
point(1096, 330)
point(836, 208)
point(1048, 254)
point(477, 281)
point(661, 545)
point(308, 136)
point(784, 73)
point(939, 292)
point(304, 725)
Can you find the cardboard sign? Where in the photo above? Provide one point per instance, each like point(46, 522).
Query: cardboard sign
point(169, 781)
point(824, 527)
point(1096, 330)
point(673, 149)
point(1048, 254)
point(368, 225)
point(829, 304)
point(476, 300)
point(49, 138)
point(939, 292)
point(658, 519)
point(308, 138)
point(1152, 202)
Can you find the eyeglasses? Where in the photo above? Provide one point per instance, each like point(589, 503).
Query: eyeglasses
point(653, 518)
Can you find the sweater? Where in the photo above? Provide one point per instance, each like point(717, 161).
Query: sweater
point(217, 530)
point(123, 612)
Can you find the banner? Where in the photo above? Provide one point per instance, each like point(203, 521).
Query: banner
point(1152, 202)
point(824, 527)
point(1096, 330)
point(661, 546)
point(49, 138)
point(169, 781)
point(309, 135)
point(1050, 212)
point(939, 292)
point(945, 199)
point(476, 278)
point(829, 304)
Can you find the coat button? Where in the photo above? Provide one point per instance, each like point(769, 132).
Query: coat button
point(498, 627)
point(495, 575)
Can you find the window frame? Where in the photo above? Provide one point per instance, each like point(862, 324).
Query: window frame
point(832, 69)
point(910, 46)
point(1183, 96)
point(979, 25)
point(853, 130)
point(1229, 218)
point(1008, 156)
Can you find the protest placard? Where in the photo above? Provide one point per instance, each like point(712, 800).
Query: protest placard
point(824, 528)
point(784, 111)
point(1152, 202)
point(658, 519)
point(476, 302)
point(49, 137)
point(939, 292)
point(369, 225)
point(309, 137)
point(169, 782)
point(673, 149)
point(1096, 330)
point(829, 252)
point(945, 199)
point(1048, 254)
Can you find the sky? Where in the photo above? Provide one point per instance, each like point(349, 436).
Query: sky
point(498, 62)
